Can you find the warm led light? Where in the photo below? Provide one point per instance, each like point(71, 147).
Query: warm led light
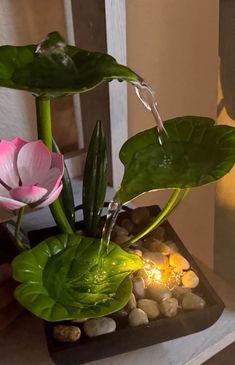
point(170, 277)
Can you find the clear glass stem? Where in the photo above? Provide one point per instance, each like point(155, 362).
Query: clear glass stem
point(43, 108)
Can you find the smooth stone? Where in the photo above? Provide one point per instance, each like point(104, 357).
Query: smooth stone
point(159, 259)
point(121, 313)
point(99, 326)
point(150, 307)
point(82, 320)
point(135, 252)
point(142, 273)
point(64, 333)
point(119, 231)
point(131, 303)
point(139, 287)
point(127, 224)
point(190, 279)
point(168, 307)
point(140, 215)
point(172, 246)
point(137, 317)
point(179, 291)
point(121, 239)
point(152, 244)
point(192, 301)
point(161, 247)
point(158, 233)
point(158, 292)
point(178, 261)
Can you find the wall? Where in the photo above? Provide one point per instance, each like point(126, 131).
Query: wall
point(25, 22)
point(174, 45)
point(225, 190)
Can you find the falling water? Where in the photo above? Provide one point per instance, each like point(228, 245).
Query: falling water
point(147, 96)
point(113, 210)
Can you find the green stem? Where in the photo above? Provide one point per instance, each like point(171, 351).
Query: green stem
point(43, 108)
point(157, 221)
point(19, 244)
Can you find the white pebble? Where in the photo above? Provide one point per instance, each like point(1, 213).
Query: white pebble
point(131, 303)
point(190, 279)
point(169, 307)
point(192, 301)
point(137, 317)
point(139, 287)
point(159, 259)
point(179, 291)
point(99, 326)
point(178, 261)
point(150, 307)
point(158, 292)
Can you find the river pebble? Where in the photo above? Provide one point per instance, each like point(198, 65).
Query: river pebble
point(140, 215)
point(159, 259)
point(192, 301)
point(64, 333)
point(168, 307)
point(131, 303)
point(137, 317)
point(150, 307)
point(127, 224)
point(178, 261)
point(190, 279)
point(158, 292)
point(99, 326)
point(139, 287)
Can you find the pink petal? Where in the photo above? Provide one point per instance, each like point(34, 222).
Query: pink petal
point(11, 204)
point(51, 181)
point(51, 198)
point(28, 194)
point(8, 170)
point(33, 162)
point(19, 143)
point(4, 192)
point(57, 160)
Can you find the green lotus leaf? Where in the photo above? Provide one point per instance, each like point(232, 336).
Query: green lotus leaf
point(195, 152)
point(59, 70)
point(60, 281)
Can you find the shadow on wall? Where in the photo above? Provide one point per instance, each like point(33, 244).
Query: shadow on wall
point(227, 56)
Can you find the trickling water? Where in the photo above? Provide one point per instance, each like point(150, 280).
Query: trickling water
point(112, 213)
point(147, 96)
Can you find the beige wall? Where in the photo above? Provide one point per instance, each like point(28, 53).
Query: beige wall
point(174, 45)
point(25, 22)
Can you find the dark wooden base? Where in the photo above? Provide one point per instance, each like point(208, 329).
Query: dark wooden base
point(128, 338)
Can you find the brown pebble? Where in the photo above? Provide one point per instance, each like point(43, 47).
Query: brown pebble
point(64, 333)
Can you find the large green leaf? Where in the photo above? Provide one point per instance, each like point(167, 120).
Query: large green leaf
point(195, 152)
point(60, 280)
point(94, 180)
point(58, 70)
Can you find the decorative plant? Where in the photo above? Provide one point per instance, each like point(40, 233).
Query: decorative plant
point(63, 277)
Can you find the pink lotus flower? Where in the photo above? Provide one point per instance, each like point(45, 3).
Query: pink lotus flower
point(29, 174)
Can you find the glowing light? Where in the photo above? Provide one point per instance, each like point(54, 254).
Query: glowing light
point(170, 277)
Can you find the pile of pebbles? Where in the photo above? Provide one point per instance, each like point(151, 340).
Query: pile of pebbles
point(163, 288)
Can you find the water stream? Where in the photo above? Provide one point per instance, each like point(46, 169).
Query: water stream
point(53, 47)
point(147, 96)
